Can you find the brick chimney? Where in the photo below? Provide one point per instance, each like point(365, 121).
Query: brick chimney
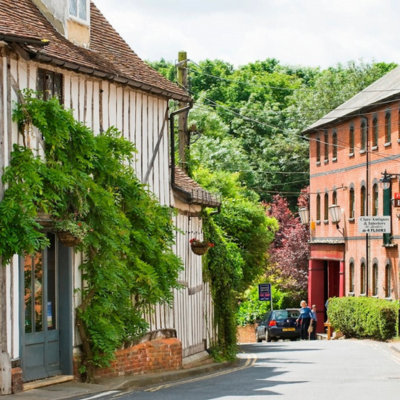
point(71, 18)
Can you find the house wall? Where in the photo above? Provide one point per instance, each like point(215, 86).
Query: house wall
point(142, 118)
point(348, 171)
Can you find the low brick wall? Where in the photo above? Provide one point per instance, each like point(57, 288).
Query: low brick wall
point(16, 380)
point(152, 356)
point(246, 334)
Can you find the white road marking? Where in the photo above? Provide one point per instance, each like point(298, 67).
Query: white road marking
point(249, 363)
point(101, 395)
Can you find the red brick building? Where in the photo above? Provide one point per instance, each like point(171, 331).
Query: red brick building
point(350, 150)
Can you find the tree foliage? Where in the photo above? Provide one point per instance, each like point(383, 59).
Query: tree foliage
point(289, 251)
point(127, 250)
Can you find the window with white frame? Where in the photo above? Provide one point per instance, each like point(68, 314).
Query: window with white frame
point(79, 9)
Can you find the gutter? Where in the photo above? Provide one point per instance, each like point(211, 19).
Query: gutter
point(20, 39)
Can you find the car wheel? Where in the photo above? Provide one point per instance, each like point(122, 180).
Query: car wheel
point(258, 340)
point(267, 336)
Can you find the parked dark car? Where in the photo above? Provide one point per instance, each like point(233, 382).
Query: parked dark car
point(279, 324)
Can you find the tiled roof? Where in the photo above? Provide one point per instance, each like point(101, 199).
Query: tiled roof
point(109, 55)
point(196, 194)
point(382, 89)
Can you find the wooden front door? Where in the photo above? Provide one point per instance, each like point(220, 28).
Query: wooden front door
point(40, 346)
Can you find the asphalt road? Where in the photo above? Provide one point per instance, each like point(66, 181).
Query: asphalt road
point(328, 370)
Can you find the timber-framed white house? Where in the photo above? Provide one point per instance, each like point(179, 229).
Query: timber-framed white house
point(68, 49)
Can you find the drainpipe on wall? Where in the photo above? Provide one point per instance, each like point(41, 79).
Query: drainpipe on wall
point(171, 121)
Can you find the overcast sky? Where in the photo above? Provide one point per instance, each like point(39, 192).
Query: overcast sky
point(296, 32)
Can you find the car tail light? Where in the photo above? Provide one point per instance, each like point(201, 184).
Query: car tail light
point(272, 323)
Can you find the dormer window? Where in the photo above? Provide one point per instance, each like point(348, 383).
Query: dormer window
point(79, 9)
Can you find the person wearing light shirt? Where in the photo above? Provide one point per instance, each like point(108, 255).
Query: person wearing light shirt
point(305, 318)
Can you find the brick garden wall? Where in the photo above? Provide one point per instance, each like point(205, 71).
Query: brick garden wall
point(152, 356)
point(246, 334)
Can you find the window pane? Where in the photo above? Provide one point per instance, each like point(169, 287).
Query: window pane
point(326, 146)
point(82, 9)
point(375, 128)
point(326, 207)
point(51, 283)
point(38, 292)
point(73, 7)
point(318, 150)
point(388, 127)
point(28, 294)
point(318, 207)
point(351, 140)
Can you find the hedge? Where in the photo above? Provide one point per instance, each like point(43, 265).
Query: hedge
point(364, 317)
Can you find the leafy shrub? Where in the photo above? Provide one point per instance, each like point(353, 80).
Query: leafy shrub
point(364, 317)
point(252, 309)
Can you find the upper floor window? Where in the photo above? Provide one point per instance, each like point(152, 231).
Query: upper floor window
point(363, 199)
point(375, 132)
point(79, 9)
point(351, 140)
point(351, 280)
point(398, 125)
point(388, 281)
point(326, 146)
point(375, 279)
point(326, 207)
point(334, 197)
point(49, 84)
point(362, 279)
point(388, 127)
point(334, 146)
point(351, 203)
point(318, 207)
point(318, 144)
point(363, 134)
point(375, 200)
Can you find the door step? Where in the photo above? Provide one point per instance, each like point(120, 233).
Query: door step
point(47, 382)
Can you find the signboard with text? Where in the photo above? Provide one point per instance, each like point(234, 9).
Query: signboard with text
point(374, 224)
point(264, 292)
point(396, 200)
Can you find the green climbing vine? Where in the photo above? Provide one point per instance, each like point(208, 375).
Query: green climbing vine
point(126, 234)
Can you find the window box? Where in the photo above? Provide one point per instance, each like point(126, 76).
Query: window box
point(362, 151)
point(318, 222)
point(326, 221)
point(374, 147)
point(318, 162)
point(351, 219)
point(351, 294)
point(388, 144)
point(334, 159)
point(351, 154)
point(326, 161)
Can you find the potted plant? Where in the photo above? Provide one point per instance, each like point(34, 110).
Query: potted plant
point(71, 232)
point(200, 247)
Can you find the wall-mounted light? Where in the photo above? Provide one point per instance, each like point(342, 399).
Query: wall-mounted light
point(336, 216)
point(304, 215)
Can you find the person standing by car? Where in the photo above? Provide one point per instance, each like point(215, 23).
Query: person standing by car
point(305, 319)
point(313, 334)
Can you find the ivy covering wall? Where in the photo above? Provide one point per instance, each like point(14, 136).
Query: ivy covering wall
point(89, 180)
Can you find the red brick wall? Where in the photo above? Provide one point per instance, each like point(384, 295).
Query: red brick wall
point(16, 380)
point(246, 334)
point(152, 356)
point(351, 169)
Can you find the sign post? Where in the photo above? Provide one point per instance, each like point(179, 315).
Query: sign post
point(265, 293)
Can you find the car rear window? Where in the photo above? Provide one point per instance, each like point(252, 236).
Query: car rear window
point(284, 314)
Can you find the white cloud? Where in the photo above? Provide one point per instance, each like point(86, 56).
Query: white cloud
point(305, 32)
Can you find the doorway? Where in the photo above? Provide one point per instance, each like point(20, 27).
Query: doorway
point(46, 299)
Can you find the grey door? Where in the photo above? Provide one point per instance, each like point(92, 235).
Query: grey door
point(40, 345)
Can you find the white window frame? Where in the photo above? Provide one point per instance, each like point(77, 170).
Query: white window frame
point(76, 17)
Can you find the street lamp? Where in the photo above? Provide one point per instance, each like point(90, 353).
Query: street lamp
point(386, 179)
point(304, 215)
point(336, 216)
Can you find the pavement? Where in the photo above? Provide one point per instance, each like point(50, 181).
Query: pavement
point(72, 389)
